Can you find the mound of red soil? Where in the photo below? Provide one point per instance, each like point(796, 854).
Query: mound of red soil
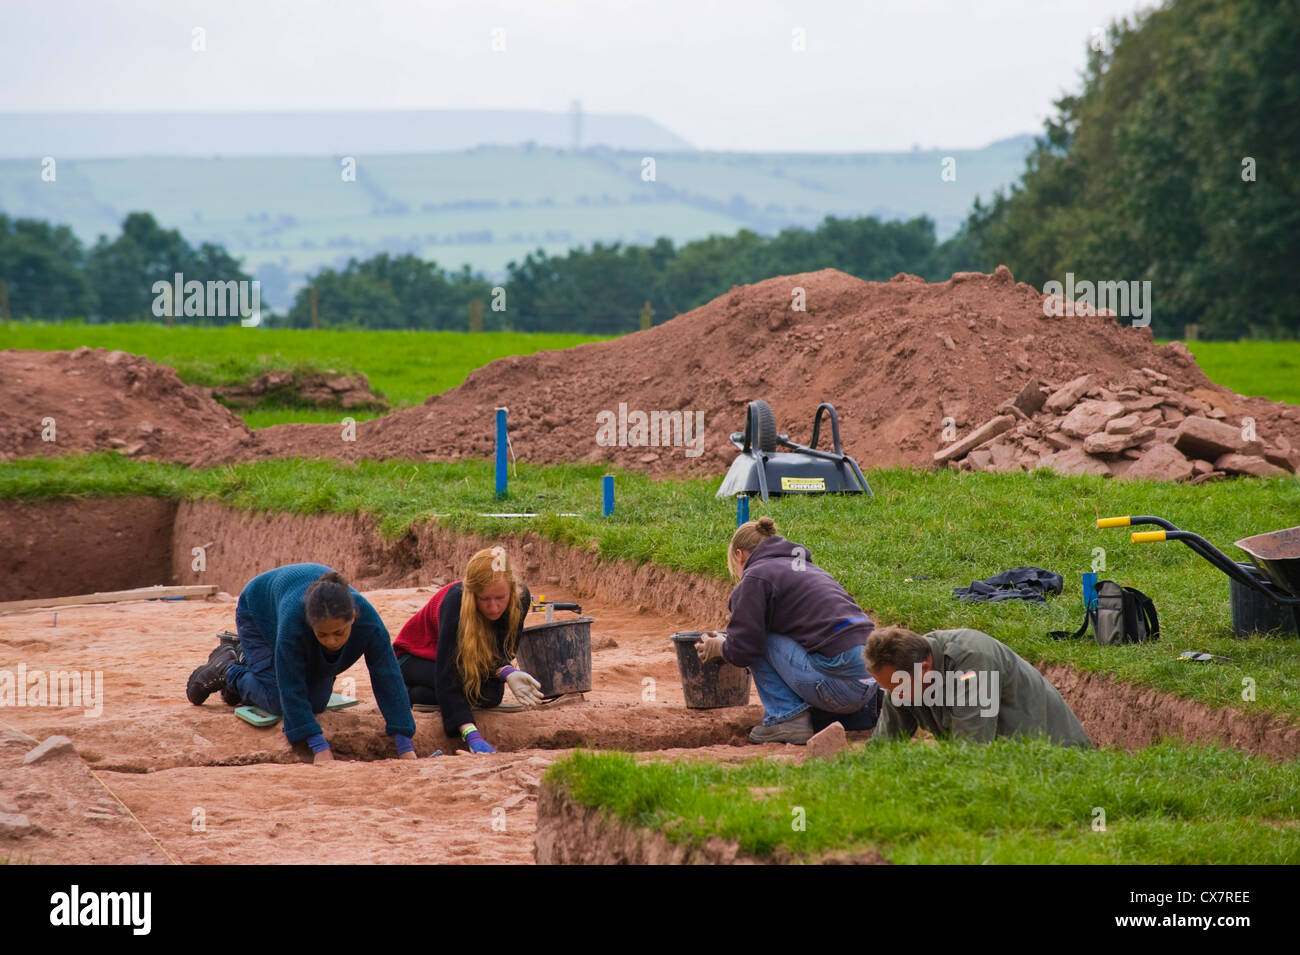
point(96, 400)
point(896, 359)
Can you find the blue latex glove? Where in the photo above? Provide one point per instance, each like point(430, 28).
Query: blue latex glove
point(477, 744)
point(317, 743)
point(404, 744)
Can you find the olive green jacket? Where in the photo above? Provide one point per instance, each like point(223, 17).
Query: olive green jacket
point(1026, 704)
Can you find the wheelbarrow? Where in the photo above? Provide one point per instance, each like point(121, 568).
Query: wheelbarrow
point(762, 468)
point(1265, 592)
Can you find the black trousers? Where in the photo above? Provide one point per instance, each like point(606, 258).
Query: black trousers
point(864, 719)
point(421, 678)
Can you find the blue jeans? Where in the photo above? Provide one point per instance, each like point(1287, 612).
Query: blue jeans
point(789, 680)
point(255, 680)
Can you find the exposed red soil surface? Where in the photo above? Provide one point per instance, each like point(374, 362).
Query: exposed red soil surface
point(259, 799)
point(57, 402)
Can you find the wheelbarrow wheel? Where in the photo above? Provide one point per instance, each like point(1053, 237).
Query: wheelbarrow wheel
point(765, 440)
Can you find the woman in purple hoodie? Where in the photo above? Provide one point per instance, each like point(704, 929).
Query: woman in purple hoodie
point(800, 634)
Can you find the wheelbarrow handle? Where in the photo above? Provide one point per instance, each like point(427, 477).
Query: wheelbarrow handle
point(1140, 519)
point(1147, 537)
point(1218, 558)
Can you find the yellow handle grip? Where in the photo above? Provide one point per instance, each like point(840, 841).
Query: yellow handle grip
point(1112, 522)
point(1146, 537)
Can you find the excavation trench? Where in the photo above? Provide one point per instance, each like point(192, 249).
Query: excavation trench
point(68, 547)
point(145, 649)
point(155, 752)
point(204, 787)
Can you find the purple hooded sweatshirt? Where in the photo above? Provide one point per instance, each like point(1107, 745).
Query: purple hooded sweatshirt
point(782, 591)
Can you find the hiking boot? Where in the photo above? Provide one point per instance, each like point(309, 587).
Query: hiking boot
point(211, 677)
point(797, 730)
point(228, 639)
point(230, 696)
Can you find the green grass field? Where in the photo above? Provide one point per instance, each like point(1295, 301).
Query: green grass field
point(953, 803)
point(1271, 369)
point(406, 367)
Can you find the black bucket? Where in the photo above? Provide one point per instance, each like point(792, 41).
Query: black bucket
point(708, 686)
point(1256, 613)
point(558, 655)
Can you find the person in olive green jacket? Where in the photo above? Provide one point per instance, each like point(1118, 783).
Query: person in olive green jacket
point(964, 684)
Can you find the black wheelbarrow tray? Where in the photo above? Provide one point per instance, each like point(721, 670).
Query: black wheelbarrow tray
point(1265, 591)
point(764, 469)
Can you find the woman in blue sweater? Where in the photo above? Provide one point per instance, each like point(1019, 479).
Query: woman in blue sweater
point(299, 626)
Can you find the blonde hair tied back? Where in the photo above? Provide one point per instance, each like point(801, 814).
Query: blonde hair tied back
point(748, 536)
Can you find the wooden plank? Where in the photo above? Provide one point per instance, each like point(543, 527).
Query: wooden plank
point(987, 431)
point(186, 591)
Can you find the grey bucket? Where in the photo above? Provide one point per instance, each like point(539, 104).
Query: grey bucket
point(558, 655)
point(708, 686)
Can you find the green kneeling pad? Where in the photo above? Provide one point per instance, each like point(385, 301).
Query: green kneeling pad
point(257, 716)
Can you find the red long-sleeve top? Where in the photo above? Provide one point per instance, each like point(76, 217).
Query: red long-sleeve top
point(419, 635)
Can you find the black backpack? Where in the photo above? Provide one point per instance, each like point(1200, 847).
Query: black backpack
point(1122, 615)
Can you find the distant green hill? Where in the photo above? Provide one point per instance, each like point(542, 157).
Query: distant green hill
point(483, 207)
point(113, 134)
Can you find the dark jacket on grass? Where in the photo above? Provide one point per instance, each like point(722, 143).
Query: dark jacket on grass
point(782, 591)
point(1027, 704)
point(275, 602)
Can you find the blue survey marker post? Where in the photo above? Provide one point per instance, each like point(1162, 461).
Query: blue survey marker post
point(742, 509)
point(607, 495)
point(501, 452)
point(1090, 591)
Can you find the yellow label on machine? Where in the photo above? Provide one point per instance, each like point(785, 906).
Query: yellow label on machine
point(803, 484)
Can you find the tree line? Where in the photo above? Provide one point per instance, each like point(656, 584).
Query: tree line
point(602, 290)
point(49, 274)
point(1178, 163)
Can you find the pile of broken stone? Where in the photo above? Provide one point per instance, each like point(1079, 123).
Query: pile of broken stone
point(1136, 428)
point(326, 390)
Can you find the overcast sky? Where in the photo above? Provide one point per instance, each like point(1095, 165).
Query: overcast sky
point(876, 74)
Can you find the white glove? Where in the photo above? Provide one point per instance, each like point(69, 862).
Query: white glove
point(526, 690)
point(710, 646)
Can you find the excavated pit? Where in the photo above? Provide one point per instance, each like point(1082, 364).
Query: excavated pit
point(261, 798)
point(111, 543)
point(636, 703)
point(155, 752)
